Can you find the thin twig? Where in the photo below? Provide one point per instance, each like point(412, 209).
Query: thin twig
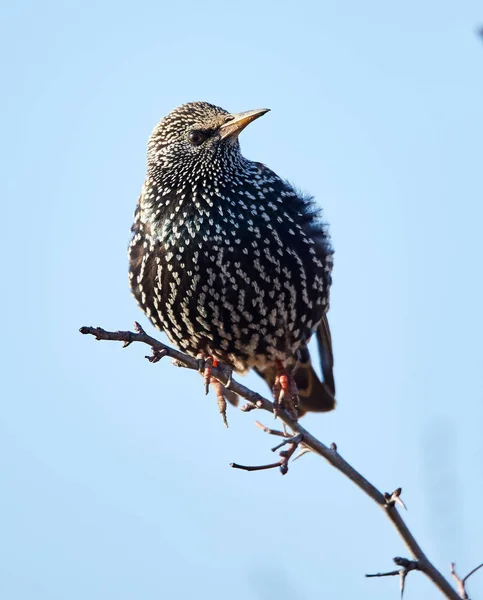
point(461, 583)
point(329, 453)
point(255, 467)
point(471, 572)
point(271, 431)
point(296, 439)
point(388, 574)
point(285, 456)
point(406, 567)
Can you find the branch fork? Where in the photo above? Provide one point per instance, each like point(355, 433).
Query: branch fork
point(285, 455)
point(406, 567)
point(461, 583)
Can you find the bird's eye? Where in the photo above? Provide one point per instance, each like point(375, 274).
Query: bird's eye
point(197, 137)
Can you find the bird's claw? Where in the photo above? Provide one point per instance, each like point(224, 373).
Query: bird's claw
point(204, 367)
point(285, 393)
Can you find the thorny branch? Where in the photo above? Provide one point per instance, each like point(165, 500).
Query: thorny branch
point(302, 437)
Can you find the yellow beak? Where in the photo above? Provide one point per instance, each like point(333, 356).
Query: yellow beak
point(239, 121)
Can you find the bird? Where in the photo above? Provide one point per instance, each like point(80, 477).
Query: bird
point(231, 261)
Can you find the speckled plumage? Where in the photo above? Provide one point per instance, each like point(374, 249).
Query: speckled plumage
point(226, 257)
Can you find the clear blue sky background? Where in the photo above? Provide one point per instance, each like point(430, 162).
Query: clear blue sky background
point(114, 477)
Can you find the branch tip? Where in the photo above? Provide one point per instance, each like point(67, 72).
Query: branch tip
point(248, 407)
point(157, 355)
point(138, 327)
point(303, 451)
point(472, 572)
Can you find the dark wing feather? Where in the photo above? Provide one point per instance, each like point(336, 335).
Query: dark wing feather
point(315, 395)
point(324, 345)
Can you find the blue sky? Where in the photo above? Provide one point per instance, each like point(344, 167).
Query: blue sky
point(114, 472)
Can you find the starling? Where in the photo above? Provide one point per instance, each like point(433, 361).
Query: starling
point(230, 260)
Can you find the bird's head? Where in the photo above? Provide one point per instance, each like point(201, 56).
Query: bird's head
point(196, 139)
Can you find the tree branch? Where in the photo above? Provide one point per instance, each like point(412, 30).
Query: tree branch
point(385, 501)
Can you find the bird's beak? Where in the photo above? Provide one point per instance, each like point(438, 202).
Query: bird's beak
point(234, 126)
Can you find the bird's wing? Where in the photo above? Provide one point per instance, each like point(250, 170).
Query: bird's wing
point(315, 394)
point(143, 268)
point(324, 344)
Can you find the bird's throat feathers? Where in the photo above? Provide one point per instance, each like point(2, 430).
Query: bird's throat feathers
point(170, 206)
point(171, 213)
point(248, 202)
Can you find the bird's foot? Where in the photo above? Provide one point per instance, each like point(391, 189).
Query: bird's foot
point(205, 366)
point(221, 391)
point(285, 392)
point(220, 399)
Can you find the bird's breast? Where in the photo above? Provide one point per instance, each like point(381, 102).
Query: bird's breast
point(244, 283)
